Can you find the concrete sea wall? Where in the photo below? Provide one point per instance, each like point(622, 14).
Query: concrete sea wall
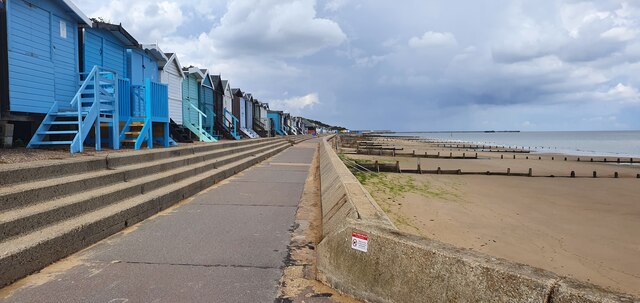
point(399, 267)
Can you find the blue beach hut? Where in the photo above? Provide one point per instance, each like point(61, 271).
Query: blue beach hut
point(145, 114)
point(45, 36)
point(192, 116)
point(106, 45)
point(276, 122)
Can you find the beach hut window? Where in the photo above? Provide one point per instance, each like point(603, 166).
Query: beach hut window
point(63, 29)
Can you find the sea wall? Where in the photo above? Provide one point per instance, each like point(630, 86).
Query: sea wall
point(399, 267)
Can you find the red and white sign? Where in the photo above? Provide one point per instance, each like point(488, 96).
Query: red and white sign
point(359, 241)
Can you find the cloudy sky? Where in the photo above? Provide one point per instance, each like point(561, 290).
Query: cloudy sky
point(411, 64)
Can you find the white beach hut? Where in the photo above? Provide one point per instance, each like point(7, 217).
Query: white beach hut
point(172, 75)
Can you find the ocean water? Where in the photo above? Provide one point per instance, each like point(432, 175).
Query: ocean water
point(584, 143)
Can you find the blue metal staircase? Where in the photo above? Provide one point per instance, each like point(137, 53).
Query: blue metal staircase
point(95, 105)
point(193, 118)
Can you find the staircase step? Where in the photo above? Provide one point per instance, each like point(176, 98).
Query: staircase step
point(58, 132)
point(120, 168)
point(22, 220)
point(63, 122)
point(54, 143)
point(52, 242)
point(132, 133)
point(128, 141)
point(68, 114)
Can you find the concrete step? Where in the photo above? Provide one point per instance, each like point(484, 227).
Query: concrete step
point(30, 172)
point(131, 203)
point(24, 220)
point(22, 195)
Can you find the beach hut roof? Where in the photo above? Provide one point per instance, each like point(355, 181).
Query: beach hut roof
point(195, 71)
point(157, 54)
point(172, 57)
point(73, 9)
point(237, 92)
point(216, 80)
point(117, 31)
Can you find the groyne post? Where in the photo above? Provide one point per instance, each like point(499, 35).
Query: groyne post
point(573, 174)
point(530, 172)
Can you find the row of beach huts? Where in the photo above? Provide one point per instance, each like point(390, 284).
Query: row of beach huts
point(73, 81)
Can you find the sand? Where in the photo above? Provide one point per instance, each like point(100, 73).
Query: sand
point(584, 228)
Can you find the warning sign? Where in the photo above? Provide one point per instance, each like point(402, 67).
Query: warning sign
point(359, 241)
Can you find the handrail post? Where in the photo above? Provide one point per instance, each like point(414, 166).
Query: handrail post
point(96, 102)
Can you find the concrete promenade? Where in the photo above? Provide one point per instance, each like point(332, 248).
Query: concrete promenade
point(226, 244)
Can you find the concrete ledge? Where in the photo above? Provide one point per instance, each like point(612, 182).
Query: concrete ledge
point(400, 267)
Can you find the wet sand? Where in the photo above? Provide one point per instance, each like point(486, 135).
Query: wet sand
point(584, 228)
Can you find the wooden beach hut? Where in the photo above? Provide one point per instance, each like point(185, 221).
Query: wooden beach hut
point(263, 119)
point(44, 36)
point(106, 45)
point(276, 122)
point(145, 115)
point(171, 74)
point(240, 111)
point(206, 101)
point(193, 118)
point(230, 123)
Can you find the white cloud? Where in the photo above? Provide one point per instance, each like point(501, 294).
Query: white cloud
point(151, 21)
point(623, 93)
point(275, 28)
point(619, 34)
point(433, 39)
point(296, 105)
point(334, 5)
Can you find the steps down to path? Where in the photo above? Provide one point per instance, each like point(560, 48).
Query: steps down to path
point(49, 211)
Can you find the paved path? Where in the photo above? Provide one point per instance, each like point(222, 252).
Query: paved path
point(228, 244)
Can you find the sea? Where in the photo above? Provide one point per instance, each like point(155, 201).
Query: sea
point(578, 143)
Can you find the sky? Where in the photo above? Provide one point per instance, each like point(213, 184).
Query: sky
point(411, 65)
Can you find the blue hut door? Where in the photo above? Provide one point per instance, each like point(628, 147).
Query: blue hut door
point(64, 59)
point(137, 69)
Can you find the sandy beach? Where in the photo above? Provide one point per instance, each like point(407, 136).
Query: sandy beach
point(584, 228)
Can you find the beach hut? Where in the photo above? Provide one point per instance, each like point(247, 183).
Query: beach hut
point(218, 103)
point(172, 75)
point(106, 45)
point(145, 116)
point(240, 111)
point(248, 99)
point(276, 122)
point(206, 101)
point(193, 118)
point(230, 123)
point(40, 67)
point(263, 120)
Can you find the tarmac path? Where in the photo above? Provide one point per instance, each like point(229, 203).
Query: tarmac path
point(226, 244)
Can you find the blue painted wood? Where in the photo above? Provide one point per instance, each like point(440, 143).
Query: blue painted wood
point(276, 118)
point(95, 102)
point(42, 36)
point(101, 48)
